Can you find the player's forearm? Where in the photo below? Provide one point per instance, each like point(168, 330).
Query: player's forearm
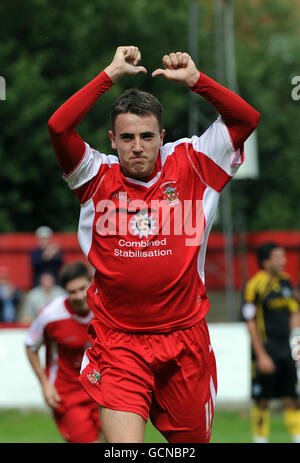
point(34, 360)
point(256, 341)
point(69, 115)
point(240, 118)
point(295, 321)
point(68, 145)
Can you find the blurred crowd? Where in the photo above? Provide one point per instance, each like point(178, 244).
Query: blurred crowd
point(46, 260)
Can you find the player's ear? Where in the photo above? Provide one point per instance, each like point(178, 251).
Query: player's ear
point(163, 132)
point(112, 139)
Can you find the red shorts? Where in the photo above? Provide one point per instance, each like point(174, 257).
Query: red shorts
point(79, 423)
point(170, 378)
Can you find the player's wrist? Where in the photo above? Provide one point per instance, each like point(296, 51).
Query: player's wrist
point(262, 355)
point(114, 72)
point(44, 382)
point(193, 78)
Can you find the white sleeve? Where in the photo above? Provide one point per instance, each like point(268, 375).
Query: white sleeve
point(216, 144)
point(35, 334)
point(88, 167)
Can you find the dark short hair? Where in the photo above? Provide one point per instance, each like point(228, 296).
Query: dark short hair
point(72, 271)
point(137, 102)
point(264, 251)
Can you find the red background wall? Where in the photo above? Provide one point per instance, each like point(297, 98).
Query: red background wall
point(15, 249)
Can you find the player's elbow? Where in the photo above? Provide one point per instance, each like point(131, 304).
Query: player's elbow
point(53, 126)
point(250, 123)
point(254, 119)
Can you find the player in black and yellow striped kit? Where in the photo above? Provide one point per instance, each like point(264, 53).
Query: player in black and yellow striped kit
point(272, 315)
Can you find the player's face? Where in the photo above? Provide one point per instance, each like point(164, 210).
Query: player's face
point(76, 290)
point(137, 140)
point(276, 262)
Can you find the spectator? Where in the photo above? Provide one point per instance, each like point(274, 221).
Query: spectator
point(39, 297)
point(47, 257)
point(10, 298)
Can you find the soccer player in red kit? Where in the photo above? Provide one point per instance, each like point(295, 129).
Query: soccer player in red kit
point(144, 223)
point(62, 326)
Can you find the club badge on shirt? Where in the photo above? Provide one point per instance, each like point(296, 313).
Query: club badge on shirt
point(94, 377)
point(170, 192)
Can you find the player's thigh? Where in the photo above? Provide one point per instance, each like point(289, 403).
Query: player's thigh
point(122, 427)
point(183, 406)
point(79, 423)
point(116, 374)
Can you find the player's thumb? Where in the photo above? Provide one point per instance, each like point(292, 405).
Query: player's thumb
point(139, 69)
point(158, 72)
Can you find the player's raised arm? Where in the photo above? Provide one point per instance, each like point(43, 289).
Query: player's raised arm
point(240, 118)
point(68, 145)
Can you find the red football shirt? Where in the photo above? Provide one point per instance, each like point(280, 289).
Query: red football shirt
point(146, 241)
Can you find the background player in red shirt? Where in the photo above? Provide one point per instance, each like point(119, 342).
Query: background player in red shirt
point(62, 326)
point(151, 353)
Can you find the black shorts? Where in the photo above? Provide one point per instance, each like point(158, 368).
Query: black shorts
point(282, 382)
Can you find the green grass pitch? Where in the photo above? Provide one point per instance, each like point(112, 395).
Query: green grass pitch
point(28, 426)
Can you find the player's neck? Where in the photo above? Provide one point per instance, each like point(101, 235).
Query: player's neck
point(271, 273)
point(81, 311)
